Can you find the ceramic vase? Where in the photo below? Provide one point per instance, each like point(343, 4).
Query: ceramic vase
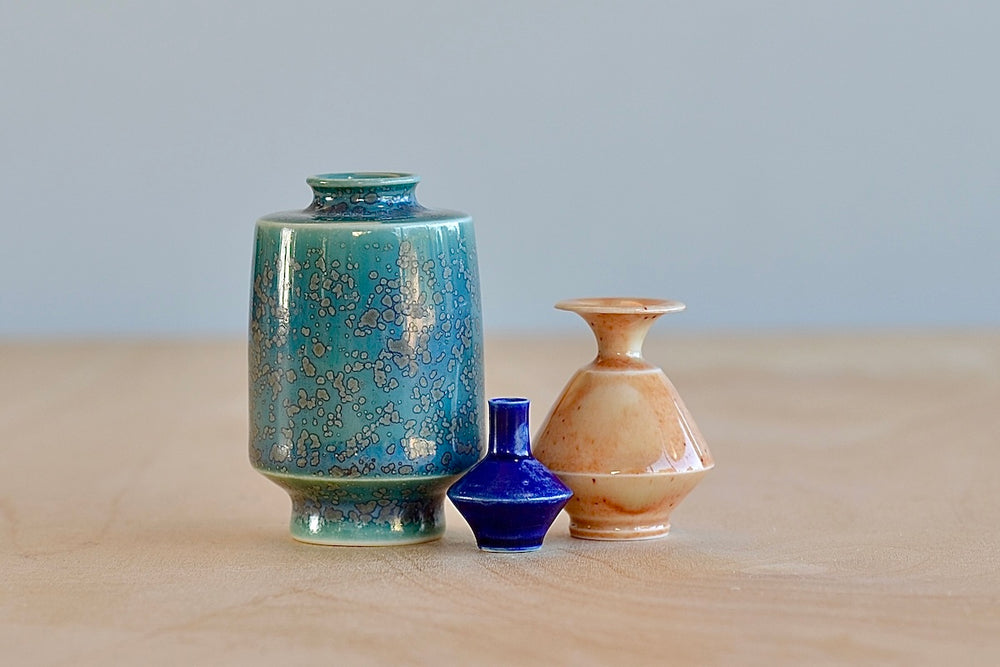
point(619, 435)
point(365, 351)
point(509, 498)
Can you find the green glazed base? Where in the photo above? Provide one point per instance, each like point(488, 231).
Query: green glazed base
point(365, 512)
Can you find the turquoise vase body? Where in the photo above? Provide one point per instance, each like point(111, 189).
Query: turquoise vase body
point(366, 378)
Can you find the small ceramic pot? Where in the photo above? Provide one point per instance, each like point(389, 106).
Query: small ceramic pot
point(619, 435)
point(366, 384)
point(509, 498)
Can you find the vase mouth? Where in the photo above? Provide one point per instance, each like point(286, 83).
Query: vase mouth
point(362, 179)
point(621, 305)
point(508, 402)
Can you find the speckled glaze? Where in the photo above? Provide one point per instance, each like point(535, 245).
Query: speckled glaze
point(509, 498)
point(619, 435)
point(366, 379)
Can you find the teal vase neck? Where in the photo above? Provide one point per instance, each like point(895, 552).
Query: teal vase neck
point(363, 196)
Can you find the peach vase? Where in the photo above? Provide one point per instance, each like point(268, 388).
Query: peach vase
point(619, 435)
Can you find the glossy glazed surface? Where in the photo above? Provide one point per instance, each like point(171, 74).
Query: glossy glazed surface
point(365, 359)
point(619, 435)
point(509, 498)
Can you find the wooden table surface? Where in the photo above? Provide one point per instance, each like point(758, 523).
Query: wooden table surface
point(853, 516)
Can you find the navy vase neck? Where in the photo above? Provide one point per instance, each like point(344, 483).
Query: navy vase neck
point(367, 196)
point(509, 436)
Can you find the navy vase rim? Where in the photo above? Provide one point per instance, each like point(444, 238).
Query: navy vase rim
point(511, 401)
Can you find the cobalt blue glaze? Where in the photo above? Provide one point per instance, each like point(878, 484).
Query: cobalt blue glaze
point(509, 498)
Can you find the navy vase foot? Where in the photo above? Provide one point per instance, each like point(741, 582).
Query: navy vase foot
point(509, 498)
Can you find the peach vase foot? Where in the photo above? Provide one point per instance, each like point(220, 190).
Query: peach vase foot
point(619, 435)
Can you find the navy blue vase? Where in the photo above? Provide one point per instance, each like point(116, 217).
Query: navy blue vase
point(509, 498)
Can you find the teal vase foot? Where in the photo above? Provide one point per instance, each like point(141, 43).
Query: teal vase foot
point(366, 512)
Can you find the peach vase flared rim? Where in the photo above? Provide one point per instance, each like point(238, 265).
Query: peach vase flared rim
point(621, 305)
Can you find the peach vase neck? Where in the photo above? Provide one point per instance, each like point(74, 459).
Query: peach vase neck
point(619, 435)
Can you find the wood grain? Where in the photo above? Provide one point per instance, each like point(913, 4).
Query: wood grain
point(852, 517)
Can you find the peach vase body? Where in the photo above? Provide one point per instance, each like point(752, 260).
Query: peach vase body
point(619, 435)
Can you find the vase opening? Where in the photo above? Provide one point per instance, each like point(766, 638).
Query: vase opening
point(621, 305)
point(509, 427)
point(362, 179)
point(620, 325)
point(377, 195)
point(510, 403)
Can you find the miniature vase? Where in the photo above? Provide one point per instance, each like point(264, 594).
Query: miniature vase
point(619, 435)
point(365, 358)
point(509, 498)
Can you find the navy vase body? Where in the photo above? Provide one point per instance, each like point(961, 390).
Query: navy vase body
point(509, 498)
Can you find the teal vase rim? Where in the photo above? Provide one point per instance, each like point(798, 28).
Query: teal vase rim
point(362, 179)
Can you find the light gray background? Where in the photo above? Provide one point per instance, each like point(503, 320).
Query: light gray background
point(773, 164)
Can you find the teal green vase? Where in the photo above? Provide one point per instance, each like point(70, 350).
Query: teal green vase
point(365, 351)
